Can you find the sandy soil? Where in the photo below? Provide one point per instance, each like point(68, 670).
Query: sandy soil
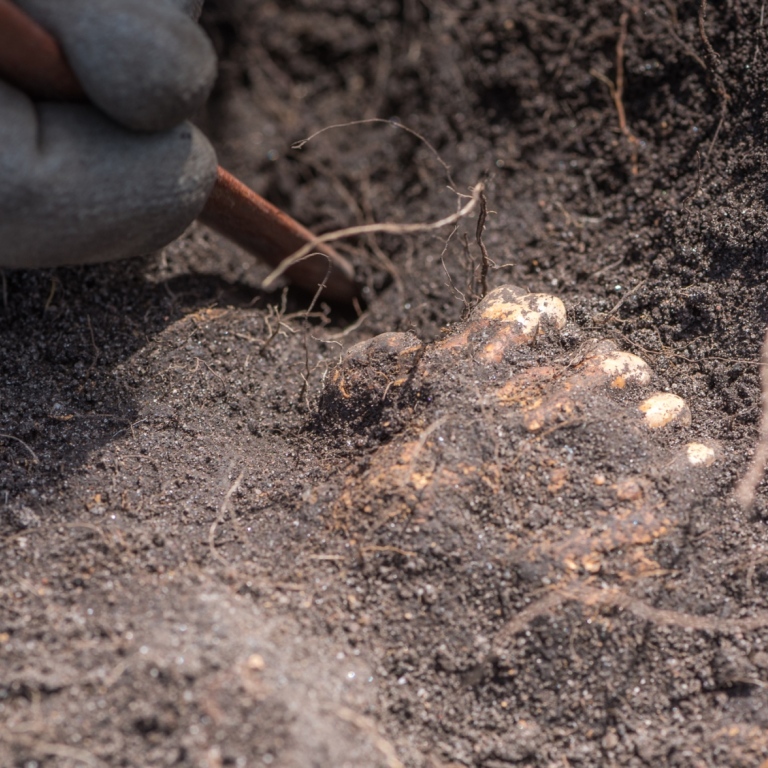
point(231, 537)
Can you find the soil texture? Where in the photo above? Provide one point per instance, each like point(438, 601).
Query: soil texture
point(241, 527)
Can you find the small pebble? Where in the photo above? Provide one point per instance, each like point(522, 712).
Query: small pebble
point(592, 563)
point(20, 517)
point(255, 662)
point(700, 455)
point(629, 490)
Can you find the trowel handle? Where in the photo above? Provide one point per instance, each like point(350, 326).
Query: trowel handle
point(32, 59)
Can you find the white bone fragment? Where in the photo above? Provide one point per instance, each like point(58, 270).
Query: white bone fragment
point(664, 408)
point(625, 367)
point(700, 455)
point(526, 312)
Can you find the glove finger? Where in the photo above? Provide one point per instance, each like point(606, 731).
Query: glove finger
point(76, 188)
point(145, 63)
point(193, 8)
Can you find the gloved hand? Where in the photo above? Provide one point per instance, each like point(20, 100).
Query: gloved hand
point(82, 183)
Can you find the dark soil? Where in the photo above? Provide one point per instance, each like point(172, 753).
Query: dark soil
point(214, 554)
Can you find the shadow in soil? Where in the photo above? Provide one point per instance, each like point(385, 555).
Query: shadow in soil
point(68, 380)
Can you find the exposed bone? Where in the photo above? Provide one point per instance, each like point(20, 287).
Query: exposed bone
point(664, 408)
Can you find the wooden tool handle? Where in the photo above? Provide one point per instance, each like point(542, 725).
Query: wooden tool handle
point(32, 59)
point(254, 223)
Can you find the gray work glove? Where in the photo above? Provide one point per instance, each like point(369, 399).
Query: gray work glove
point(82, 184)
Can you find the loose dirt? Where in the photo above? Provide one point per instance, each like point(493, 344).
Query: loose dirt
point(230, 540)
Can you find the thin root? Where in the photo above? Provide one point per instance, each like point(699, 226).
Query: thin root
point(391, 228)
point(223, 509)
point(18, 440)
point(617, 90)
point(613, 597)
point(745, 490)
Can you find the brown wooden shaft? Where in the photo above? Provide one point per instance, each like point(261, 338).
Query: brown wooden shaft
point(31, 59)
point(254, 223)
